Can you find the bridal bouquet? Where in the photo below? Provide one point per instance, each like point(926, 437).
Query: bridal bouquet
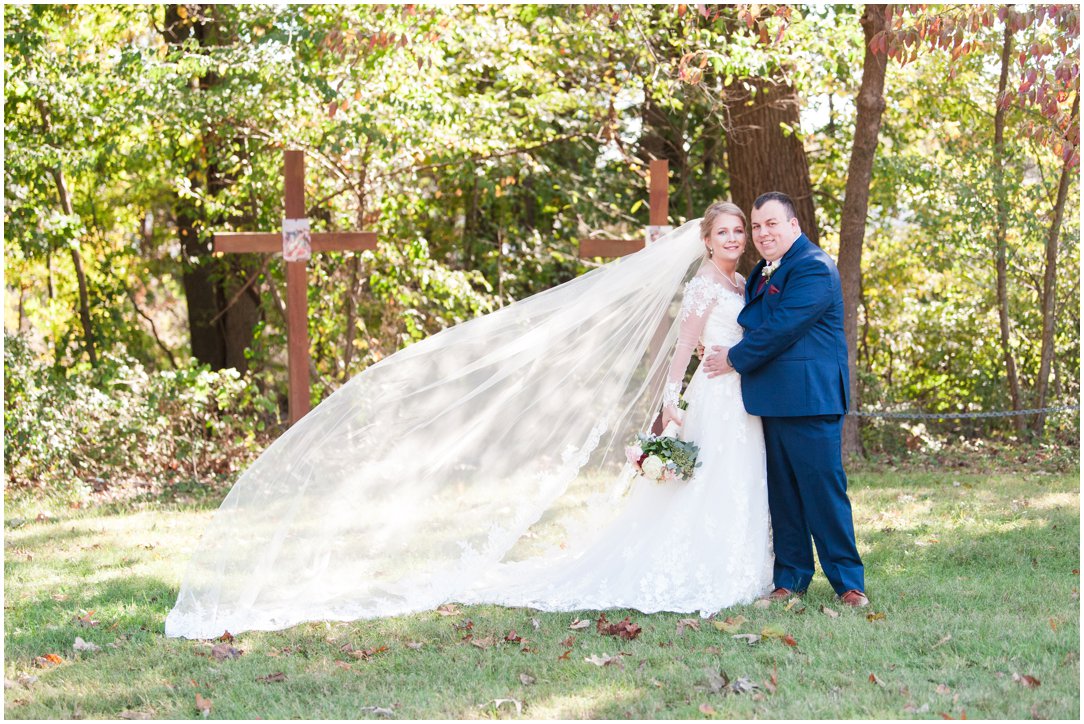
point(663, 458)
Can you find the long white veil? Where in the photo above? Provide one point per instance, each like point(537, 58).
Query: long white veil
point(484, 443)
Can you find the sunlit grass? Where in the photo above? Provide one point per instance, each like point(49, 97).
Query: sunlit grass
point(976, 575)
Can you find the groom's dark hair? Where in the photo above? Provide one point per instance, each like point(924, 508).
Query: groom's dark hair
point(788, 203)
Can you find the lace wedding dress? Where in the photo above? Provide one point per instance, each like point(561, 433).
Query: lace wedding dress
point(496, 447)
point(695, 546)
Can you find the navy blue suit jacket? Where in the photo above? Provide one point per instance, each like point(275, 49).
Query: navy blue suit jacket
point(793, 357)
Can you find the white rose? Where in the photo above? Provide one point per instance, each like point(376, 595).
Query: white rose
point(652, 467)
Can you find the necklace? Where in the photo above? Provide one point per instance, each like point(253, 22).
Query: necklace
point(730, 279)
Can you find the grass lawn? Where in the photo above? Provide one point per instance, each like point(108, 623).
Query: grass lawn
point(974, 580)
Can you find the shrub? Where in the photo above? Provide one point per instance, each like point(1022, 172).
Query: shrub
point(70, 432)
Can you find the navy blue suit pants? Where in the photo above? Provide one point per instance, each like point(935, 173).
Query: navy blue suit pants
point(807, 493)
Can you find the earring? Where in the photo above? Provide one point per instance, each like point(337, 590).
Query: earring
point(711, 252)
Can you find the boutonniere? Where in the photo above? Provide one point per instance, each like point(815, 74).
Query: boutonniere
point(770, 268)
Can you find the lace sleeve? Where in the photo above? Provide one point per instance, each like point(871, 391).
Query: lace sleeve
point(699, 299)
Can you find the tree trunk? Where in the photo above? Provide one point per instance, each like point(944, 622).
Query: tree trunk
point(1001, 231)
point(762, 155)
point(852, 229)
point(219, 335)
point(66, 206)
point(1049, 279)
point(80, 273)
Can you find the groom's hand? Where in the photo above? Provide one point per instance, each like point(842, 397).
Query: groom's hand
point(716, 364)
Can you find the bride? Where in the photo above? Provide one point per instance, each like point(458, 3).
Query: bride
point(485, 464)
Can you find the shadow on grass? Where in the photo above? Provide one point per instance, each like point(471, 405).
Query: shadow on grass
point(129, 608)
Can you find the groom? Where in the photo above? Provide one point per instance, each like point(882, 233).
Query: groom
point(793, 366)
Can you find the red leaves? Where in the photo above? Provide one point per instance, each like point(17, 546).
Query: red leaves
point(362, 654)
point(203, 706)
point(47, 660)
point(85, 620)
point(1029, 682)
point(626, 629)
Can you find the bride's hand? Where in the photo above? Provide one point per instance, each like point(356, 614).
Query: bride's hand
point(672, 414)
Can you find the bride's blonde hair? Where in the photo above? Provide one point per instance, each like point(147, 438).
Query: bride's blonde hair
point(715, 211)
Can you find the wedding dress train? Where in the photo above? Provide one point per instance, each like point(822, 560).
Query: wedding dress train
point(458, 467)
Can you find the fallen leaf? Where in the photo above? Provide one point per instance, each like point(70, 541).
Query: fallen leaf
point(943, 689)
point(772, 632)
point(367, 654)
point(747, 638)
point(717, 680)
point(465, 625)
point(129, 714)
point(625, 628)
point(568, 642)
point(415, 645)
point(272, 678)
point(222, 652)
point(226, 636)
point(1053, 624)
point(944, 640)
point(484, 643)
point(789, 640)
point(448, 609)
point(829, 612)
point(343, 664)
point(81, 645)
point(203, 706)
point(48, 660)
point(512, 638)
point(526, 679)
point(564, 656)
point(707, 710)
point(762, 603)
point(874, 679)
point(912, 709)
point(1029, 681)
point(730, 625)
point(684, 623)
point(59, 597)
point(378, 710)
point(536, 624)
point(792, 603)
point(743, 685)
point(85, 619)
point(578, 624)
point(772, 684)
point(27, 680)
point(875, 616)
point(963, 715)
point(605, 660)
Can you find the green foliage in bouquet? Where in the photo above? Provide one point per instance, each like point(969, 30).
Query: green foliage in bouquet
point(679, 455)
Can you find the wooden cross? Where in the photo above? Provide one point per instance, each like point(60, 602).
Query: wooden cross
point(659, 215)
point(297, 281)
